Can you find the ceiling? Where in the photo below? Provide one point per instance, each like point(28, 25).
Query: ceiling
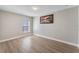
point(27, 9)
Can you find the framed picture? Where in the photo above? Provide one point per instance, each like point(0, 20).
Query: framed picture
point(46, 19)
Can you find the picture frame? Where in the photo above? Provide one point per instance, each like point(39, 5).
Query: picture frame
point(47, 19)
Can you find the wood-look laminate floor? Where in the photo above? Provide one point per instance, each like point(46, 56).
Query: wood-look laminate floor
point(35, 44)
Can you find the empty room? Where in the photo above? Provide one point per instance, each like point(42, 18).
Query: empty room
point(39, 29)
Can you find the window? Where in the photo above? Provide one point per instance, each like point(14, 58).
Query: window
point(26, 25)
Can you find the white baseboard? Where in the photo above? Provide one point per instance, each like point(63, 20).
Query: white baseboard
point(20, 36)
point(58, 40)
point(43, 37)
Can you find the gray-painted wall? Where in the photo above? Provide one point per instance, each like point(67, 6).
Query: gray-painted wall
point(65, 26)
point(78, 25)
point(11, 24)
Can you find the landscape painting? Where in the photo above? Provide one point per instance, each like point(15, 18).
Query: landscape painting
point(46, 19)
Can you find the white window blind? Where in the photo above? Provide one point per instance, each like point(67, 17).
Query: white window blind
point(26, 25)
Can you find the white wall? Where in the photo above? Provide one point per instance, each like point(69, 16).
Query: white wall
point(65, 26)
point(11, 24)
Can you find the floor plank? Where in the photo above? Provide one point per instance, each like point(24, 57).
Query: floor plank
point(35, 44)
